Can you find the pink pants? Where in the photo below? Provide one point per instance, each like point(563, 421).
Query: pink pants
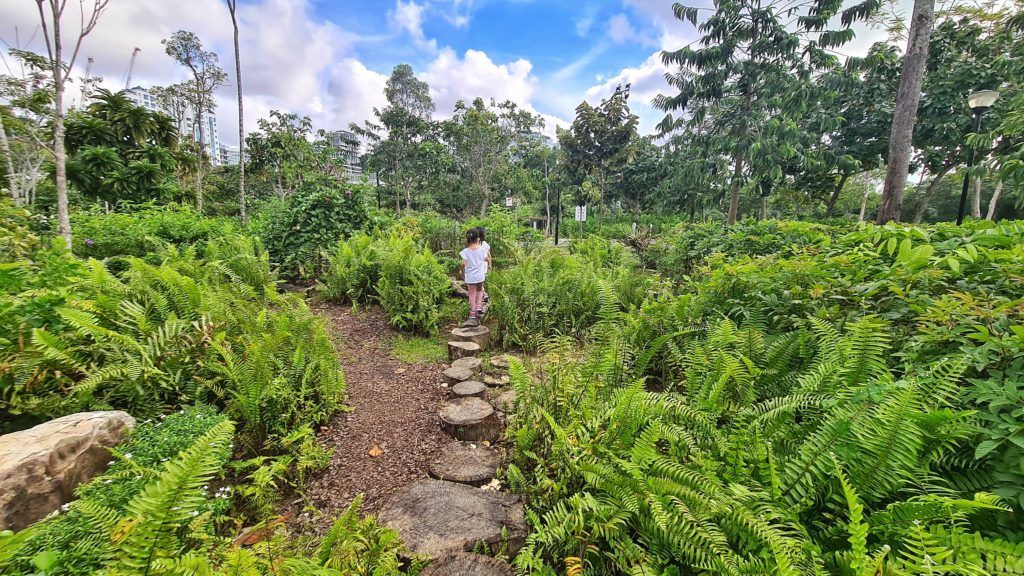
point(476, 298)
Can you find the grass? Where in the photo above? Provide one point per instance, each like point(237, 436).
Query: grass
point(416, 350)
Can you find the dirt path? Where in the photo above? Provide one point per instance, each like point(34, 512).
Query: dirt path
point(393, 407)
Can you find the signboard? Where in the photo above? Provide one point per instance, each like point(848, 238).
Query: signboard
point(508, 201)
point(581, 213)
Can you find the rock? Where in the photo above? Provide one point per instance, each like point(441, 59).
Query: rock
point(506, 401)
point(469, 388)
point(502, 380)
point(435, 518)
point(479, 335)
point(469, 363)
point(458, 350)
point(466, 564)
point(470, 419)
point(454, 375)
point(40, 467)
point(498, 362)
point(466, 463)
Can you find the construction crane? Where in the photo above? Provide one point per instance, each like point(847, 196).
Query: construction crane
point(131, 67)
point(86, 84)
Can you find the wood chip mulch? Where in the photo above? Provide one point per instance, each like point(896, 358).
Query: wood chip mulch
point(393, 412)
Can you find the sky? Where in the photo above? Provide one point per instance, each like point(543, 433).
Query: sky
point(329, 59)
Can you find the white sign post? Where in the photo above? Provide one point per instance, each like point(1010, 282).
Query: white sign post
point(581, 217)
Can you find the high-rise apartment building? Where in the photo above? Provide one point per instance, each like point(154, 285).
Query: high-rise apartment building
point(211, 136)
point(345, 149)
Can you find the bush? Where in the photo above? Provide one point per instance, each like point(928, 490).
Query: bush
point(556, 294)
point(157, 337)
point(296, 230)
point(143, 232)
point(392, 269)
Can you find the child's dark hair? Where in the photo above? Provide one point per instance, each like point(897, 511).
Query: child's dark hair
point(472, 236)
point(480, 232)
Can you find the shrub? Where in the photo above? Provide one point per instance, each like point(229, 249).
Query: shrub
point(296, 230)
point(392, 269)
point(141, 233)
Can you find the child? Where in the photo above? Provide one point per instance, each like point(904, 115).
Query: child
point(487, 247)
point(474, 271)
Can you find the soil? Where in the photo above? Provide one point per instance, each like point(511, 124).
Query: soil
point(392, 407)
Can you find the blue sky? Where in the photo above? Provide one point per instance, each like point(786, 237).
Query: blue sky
point(329, 59)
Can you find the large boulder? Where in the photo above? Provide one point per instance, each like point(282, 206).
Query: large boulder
point(40, 467)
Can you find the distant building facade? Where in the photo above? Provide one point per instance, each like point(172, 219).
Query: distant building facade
point(211, 136)
point(229, 155)
point(345, 149)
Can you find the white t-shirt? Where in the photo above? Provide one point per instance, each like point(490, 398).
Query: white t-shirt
point(476, 264)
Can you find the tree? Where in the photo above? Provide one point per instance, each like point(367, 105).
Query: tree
point(24, 117)
point(50, 14)
point(119, 151)
point(599, 144)
point(405, 150)
point(281, 150)
point(752, 75)
point(186, 48)
point(905, 112)
point(484, 138)
point(233, 8)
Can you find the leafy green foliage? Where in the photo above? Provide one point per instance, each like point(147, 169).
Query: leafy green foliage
point(143, 232)
point(297, 229)
point(393, 270)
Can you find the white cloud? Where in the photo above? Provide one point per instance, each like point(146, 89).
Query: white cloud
point(620, 30)
point(646, 81)
point(408, 17)
point(452, 78)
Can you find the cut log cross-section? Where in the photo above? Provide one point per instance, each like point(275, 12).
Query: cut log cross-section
point(435, 518)
point(479, 335)
point(454, 375)
point(465, 463)
point(468, 388)
point(458, 350)
point(469, 363)
point(466, 564)
point(470, 419)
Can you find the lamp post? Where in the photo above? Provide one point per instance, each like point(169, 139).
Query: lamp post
point(979, 103)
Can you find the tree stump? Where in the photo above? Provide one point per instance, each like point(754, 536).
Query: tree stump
point(454, 375)
point(502, 380)
point(479, 335)
point(458, 350)
point(468, 388)
point(469, 363)
point(435, 517)
point(506, 401)
point(470, 419)
point(465, 463)
point(465, 564)
point(499, 362)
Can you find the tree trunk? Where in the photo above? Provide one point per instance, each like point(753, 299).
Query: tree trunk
point(486, 201)
point(547, 201)
point(12, 180)
point(922, 206)
point(905, 115)
point(764, 208)
point(976, 199)
point(993, 203)
point(233, 5)
point(600, 216)
point(59, 155)
point(830, 206)
point(863, 204)
point(734, 198)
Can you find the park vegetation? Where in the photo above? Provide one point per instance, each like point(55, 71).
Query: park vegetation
point(755, 357)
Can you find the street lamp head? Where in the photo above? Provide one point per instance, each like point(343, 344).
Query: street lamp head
point(983, 99)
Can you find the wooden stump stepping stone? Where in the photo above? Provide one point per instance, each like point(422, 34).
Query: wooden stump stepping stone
point(479, 335)
point(454, 375)
point(498, 362)
point(465, 463)
point(435, 518)
point(458, 350)
point(502, 380)
point(466, 564)
point(468, 388)
point(470, 419)
point(469, 362)
point(506, 401)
